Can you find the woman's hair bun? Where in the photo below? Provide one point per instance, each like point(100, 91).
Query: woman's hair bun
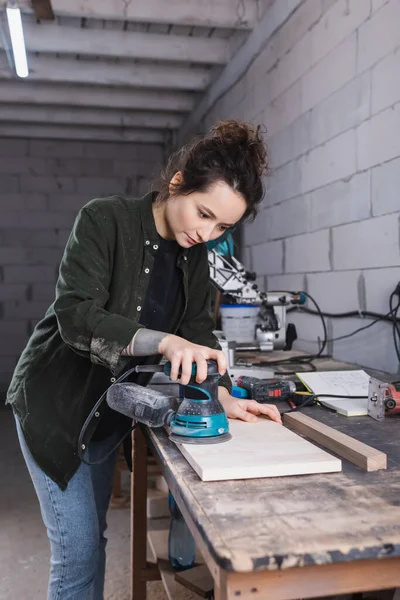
point(246, 136)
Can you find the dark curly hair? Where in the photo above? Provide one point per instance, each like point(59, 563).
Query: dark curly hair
point(233, 152)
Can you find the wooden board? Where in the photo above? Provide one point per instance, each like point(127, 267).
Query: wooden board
point(198, 579)
point(262, 449)
point(360, 454)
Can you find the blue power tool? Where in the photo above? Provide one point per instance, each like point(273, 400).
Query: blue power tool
point(199, 418)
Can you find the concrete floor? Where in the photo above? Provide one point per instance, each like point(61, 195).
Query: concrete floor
point(24, 550)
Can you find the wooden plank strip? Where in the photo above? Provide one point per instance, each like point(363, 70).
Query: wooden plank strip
point(360, 454)
point(198, 580)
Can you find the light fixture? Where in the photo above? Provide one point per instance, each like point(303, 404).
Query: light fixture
point(17, 40)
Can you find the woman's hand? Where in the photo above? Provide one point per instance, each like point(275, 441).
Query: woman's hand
point(246, 410)
point(182, 353)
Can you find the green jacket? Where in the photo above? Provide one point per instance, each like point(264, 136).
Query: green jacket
point(76, 348)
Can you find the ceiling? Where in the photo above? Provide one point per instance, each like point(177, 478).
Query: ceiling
point(119, 70)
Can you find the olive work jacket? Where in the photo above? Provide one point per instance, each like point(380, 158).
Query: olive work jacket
point(76, 348)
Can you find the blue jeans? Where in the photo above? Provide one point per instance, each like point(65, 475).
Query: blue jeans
point(76, 521)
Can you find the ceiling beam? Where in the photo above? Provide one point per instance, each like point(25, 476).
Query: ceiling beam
point(87, 117)
point(44, 68)
point(53, 38)
point(43, 10)
point(271, 21)
point(236, 14)
point(36, 93)
point(104, 134)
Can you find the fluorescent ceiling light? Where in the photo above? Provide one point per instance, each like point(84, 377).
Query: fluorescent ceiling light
point(17, 41)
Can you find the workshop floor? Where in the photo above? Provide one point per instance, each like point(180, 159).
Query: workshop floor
point(24, 552)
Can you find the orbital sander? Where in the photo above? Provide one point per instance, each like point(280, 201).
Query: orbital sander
point(199, 417)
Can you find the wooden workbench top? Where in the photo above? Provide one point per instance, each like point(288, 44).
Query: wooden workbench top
point(286, 522)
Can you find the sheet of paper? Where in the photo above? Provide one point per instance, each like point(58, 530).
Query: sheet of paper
point(342, 383)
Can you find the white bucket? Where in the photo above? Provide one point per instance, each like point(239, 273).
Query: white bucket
point(239, 321)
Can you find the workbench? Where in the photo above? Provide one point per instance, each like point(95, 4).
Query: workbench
point(282, 538)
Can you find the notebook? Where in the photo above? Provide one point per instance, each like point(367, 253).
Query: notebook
point(343, 383)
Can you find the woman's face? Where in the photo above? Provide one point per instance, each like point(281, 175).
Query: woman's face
point(203, 216)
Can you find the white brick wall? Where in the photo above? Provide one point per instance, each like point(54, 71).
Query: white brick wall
point(43, 184)
point(327, 88)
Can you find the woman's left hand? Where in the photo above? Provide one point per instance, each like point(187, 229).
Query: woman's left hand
point(247, 410)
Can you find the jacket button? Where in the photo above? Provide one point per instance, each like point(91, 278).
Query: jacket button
point(155, 247)
point(139, 308)
point(185, 258)
point(147, 270)
point(113, 380)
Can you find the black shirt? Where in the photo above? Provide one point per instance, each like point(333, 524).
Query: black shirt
point(162, 297)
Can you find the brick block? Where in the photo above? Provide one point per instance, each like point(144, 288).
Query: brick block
point(385, 188)
point(62, 237)
point(379, 284)
point(12, 348)
point(37, 220)
point(299, 24)
point(9, 183)
point(377, 4)
point(43, 292)
point(367, 244)
point(288, 218)
point(83, 167)
point(376, 142)
point(310, 332)
point(55, 148)
point(289, 68)
point(99, 187)
point(334, 160)
point(29, 274)
point(12, 255)
point(308, 252)
point(335, 291)
point(122, 168)
point(13, 291)
point(372, 348)
point(68, 202)
point(255, 232)
point(43, 256)
point(329, 74)
point(245, 257)
point(13, 147)
point(291, 142)
point(284, 109)
point(284, 183)
point(385, 83)
point(29, 165)
point(337, 23)
point(286, 283)
point(27, 238)
point(379, 36)
point(344, 109)
point(31, 183)
point(341, 202)
point(268, 258)
point(15, 309)
point(23, 202)
point(11, 329)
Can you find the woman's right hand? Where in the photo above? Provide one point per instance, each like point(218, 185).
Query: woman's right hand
point(182, 353)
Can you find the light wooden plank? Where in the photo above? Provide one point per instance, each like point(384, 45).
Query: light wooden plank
point(360, 454)
point(44, 37)
point(262, 449)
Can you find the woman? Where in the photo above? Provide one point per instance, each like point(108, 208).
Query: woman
point(133, 286)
